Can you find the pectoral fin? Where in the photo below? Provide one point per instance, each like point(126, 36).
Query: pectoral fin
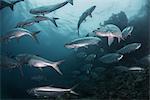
point(90, 15)
point(110, 40)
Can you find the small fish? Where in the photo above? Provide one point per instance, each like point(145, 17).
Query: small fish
point(85, 14)
point(136, 69)
point(127, 32)
point(10, 4)
point(38, 62)
point(145, 60)
point(90, 57)
point(129, 48)
point(86, 68)
point(111, 57)
point(17, 33)
point(83, 42)
point(37, 19)
point(48, 9)
point(50, 91)
point(81, 54)
point(110, 31)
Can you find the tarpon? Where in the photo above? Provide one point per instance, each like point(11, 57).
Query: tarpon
point(36, 19)
point(127, 32)
point(129, 48)
point(110, 31)
point(136, 69)
point(39, 62)
point(17, 33)
point(10, 4)
point(48, 9)
point(111, 57)
point(8, 63)
point(83, 42)
point(43, 18)
point(48, 91)
point(85, 14)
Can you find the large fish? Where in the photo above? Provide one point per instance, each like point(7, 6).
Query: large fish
point(85, 14)
point(111, 57)
point(129, 48)
point(38, 62)
point(110, 31)
point(127, 31)
point(17, 33)
point(48, 9)
point(8, 63)
point(10, 4)
point(36, 19)
point(48, 91)
point(83, 42)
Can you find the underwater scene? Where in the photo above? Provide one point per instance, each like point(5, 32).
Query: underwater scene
point(75, 49)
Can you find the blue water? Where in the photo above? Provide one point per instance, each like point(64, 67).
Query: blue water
point(51, 46)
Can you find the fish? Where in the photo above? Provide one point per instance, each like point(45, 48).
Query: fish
point(127, 32)
point(27, 22)
point(110, 31)
point(136, 69)
point(48, 91)
point(37, 19)
point(111, 57)
point(8, 63)
point(48, 9)
point(86, 68)
point(38, 62)
point(10, 4)
point(84, 15)
point(145, 60)
point(81, 54)
point(17, 33)
point(83, 42)
point(129, 48)
point(90, 57)
point(43, 18)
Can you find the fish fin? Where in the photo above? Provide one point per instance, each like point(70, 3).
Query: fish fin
point(87, 35)
point(119, 40)
point(90, 15)
point(55, 66)
point(70, 1)
point(11, 7)
point(71, 89)
point(54, 21)
point(86, 46)
point(35, 37)
point(78, 33)
point(110, 40)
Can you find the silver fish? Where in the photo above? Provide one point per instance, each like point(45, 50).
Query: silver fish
point(17, 33)
point(10, 4)
point(90, 57)
point(48, 9)
point(85, 14)
point(8, 63)
point(127, 32)
point(129, 48)
point(110, 31)
point(37, 19)
point(38, 62)
point(136, 69)
point(83, 42)
point(111, 57)
point(50, 91)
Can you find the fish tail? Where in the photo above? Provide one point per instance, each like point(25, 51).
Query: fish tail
point(34, 35)
point(54, 21)
point(11, 7)
point(56, 66)
point(70, 1)
point(71, 89)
